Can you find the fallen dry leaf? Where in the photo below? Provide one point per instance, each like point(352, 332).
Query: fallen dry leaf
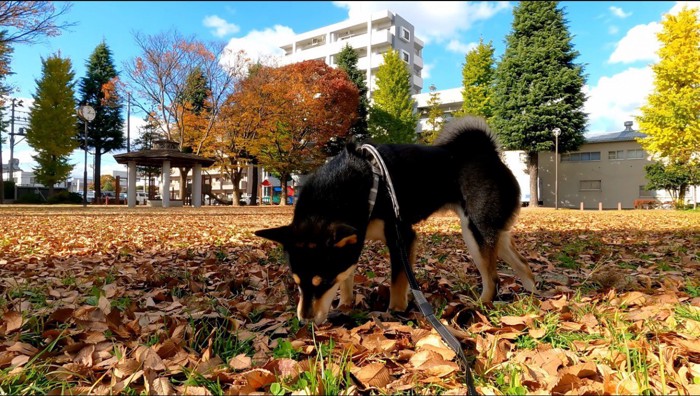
point(134, 301)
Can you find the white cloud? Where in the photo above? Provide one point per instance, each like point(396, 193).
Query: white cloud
point(459, 47)
point(220, 27)
point(612, 29)
point(439, 21)
point(262, 45)
point(680, 4)
point(425, 73)
point(616, 99)
point(639, 44)
point(619, 12)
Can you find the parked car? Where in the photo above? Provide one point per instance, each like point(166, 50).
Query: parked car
point(141, 198)
point(90, 195)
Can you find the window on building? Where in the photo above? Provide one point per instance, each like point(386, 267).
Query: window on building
point(405, 34)
point(616, 155)
point(582, 156)
point(636, 154)
point(405, 56)
point(644, 193)
point(589, 185)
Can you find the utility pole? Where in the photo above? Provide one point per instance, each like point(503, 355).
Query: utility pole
point(128, 115)
point(12, 136)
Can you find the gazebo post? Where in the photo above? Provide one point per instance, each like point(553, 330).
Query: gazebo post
point(131, 193)
point(197, 185)
point(165, 189)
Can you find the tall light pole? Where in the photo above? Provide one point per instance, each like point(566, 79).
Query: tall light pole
point(15, 103)
point(556, 132)
point(87, 113)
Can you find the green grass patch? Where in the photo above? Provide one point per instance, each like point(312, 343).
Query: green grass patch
point(687, 311)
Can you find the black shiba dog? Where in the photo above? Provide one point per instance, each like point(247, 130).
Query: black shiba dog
point(462, 171)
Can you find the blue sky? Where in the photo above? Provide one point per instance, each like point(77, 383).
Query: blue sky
point(616, 42)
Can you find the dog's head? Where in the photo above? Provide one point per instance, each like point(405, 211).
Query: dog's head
point(320, 257)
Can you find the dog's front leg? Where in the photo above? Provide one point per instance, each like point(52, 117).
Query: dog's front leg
point(398, 300)
point(346, 295)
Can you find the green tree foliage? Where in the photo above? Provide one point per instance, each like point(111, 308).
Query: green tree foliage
point(671, 115)
point(673, 177)
point(435, 120)
point(391, 117)
point(148, 134)
point(196, 91)
point(52, 121)
point(347, 60)
point(478, 75)
point(99, 89)
point(539, 86)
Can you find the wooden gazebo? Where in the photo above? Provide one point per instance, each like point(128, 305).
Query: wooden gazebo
point(165, 154)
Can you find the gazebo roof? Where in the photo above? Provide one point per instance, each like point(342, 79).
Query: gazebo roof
point(164, 151)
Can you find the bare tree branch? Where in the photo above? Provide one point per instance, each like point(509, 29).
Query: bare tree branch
point(26, 22)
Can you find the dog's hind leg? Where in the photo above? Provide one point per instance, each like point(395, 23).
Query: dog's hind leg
point(398, 300)
point(509, 253)
point(483, 255)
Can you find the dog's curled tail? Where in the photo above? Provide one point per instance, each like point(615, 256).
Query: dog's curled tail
point(468, 136)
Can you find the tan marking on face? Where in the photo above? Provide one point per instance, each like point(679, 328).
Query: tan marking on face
point(316, 280)
point(348, 240)
point(296, 278)
point(312, 245)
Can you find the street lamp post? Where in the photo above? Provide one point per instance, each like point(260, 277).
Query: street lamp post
point(556, 132)
point(87, 113)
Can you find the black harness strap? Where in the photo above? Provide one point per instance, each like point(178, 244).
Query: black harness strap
point(379, 171)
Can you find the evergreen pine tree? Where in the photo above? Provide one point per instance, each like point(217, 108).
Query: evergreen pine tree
point(347, 60)
point(538, 86)
point(99, 90)
point(391, 117)
point(149, 133)
point(477, 81)
point(196, 91)
point(52, 122)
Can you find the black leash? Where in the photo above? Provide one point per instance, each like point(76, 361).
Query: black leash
point(379, 171)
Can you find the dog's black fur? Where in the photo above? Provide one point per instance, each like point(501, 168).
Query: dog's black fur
point(462, 170)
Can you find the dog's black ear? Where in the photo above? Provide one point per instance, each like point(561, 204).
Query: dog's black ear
point(351, 147)
point(279, 234)
point(343, 235)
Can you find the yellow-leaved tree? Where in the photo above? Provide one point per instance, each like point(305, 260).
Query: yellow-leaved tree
point(670, 118)
point(671, 115)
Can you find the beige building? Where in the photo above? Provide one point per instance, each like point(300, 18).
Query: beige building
point(608, 169)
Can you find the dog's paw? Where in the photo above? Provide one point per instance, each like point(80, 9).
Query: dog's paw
point(398, 304)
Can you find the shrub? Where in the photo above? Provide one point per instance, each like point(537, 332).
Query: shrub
point(65, 197)
point(30, 198)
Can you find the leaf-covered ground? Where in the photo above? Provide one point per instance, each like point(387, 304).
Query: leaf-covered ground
point(188, 301)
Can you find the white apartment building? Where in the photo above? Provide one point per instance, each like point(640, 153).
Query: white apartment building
point(370, 37)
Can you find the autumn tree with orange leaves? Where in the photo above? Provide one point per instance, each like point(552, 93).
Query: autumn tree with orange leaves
point(285, 116)
point(167, 78)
